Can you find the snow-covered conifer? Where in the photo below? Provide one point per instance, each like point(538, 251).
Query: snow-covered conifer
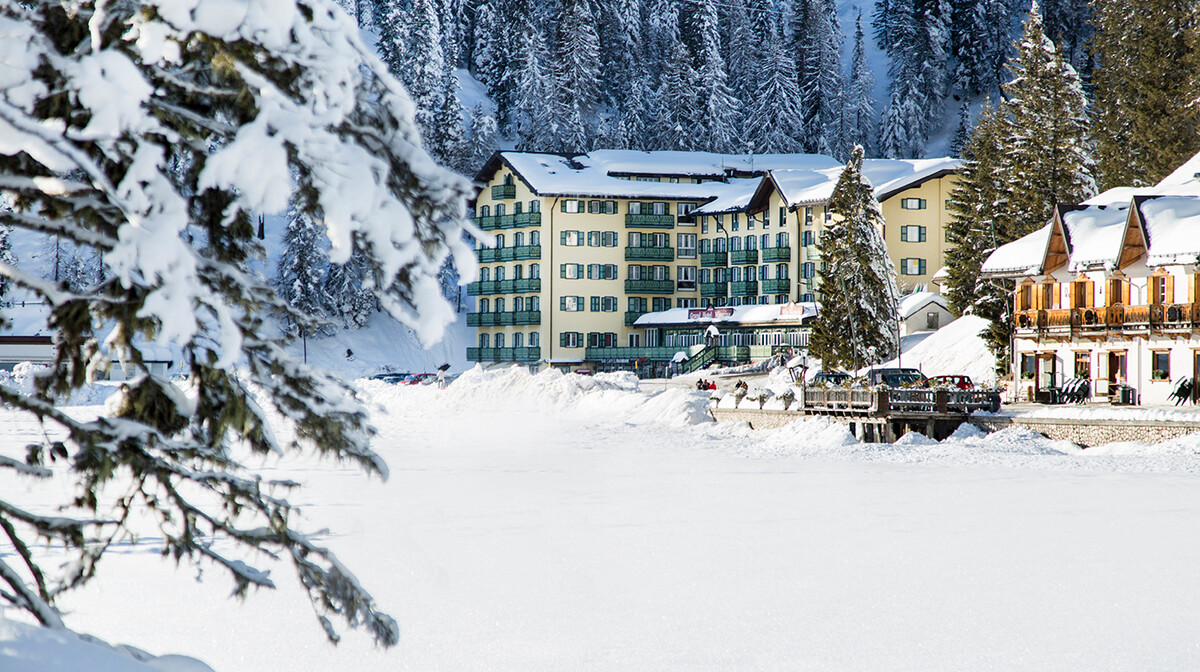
point(103, 102)
point(531, 109)
point(774, 122)
point(860, 105)
point(857, 324)
point(718, 118)
point(300, 277)
point(575, 67)
point(818, 46)
point(483, 141)
point(675, 118)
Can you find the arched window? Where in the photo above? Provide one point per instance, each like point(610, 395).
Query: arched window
point(518, 239)
point(499, 341)
point(499, 273)
point(518, 340)
point(499, 209)
point(485, 306)
point(535, 238)
point(766, 241)
point(535, 206)
point(534, 339)
point(499, 240)
point(533, 304)
point(483, 340)
point(485, 274)
point(518, 272)
point(485, 210)
point(751, 243)
point(499, 305)
point(518, 304)
point(535, 271)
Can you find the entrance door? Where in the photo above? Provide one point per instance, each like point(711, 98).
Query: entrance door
point(1116, 368)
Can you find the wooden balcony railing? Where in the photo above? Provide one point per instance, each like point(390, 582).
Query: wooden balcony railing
point(1166, 316)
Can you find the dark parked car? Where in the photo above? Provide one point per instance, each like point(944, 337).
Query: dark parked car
point(830, 378)
point(895, 377)
point(393, 378)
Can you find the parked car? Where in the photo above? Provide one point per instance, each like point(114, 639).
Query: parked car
point(954, 381)
point(830, 378)
point(895, 377)
point(420, 379)
point(392, 377)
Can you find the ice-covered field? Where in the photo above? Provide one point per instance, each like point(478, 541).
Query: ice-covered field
point(571, 523)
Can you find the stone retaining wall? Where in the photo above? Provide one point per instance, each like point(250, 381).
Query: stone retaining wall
point(1091, 432)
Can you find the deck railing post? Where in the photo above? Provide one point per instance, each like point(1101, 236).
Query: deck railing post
point(881, 401)
point(941, 400)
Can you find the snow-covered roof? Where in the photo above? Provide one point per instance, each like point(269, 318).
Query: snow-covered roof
point(1172, 229)
point(732, 197)
point(744, 315)
point(557, 175)
point(802, 178)
point(1183, 181)
point(1094, 235)
point(1023, 256)
point(913, 303)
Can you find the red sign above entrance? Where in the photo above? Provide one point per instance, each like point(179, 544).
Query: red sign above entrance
point(709, 313)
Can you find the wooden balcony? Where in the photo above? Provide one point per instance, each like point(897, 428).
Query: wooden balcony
point(1099, 320)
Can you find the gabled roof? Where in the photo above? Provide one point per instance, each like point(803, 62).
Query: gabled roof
point(574, 176)
point(1024, 256)
point(1171, 227)
point(1093, 234)
point(917, 301)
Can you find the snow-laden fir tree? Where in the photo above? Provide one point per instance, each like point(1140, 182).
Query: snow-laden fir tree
point(677, 103)
point(575, 68)
point(962, 131)
point(1147, 84)
point(153, 133)
point(483, 141)
point(918, 39)
point(621, 36)
point(774, 122)
point(446, 140)
point(860, 103)
point(421, 65)
point(300, 276)
point(349, 298)
point(818, 48)
point(749, 33)
point(6, 259)
point(718, 118)
point(1049, 150)
point(531, 112)
point(1029, 155)
point(857, 323)
point(638, 118)
point(492, 44)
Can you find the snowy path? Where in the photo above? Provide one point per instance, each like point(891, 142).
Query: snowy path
point(562, 537)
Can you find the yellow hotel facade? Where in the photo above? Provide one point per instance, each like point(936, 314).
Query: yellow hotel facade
point(584, 246)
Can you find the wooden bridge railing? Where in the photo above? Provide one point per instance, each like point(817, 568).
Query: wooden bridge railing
point(883, 401)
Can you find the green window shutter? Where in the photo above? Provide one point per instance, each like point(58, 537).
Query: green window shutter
point(562, 271)
point(904, 234)
point(563, 237)
point(595, 304)
point(922, 234)
point(591, 273)
point(579, 270)
point(563, 206)
point(921, 267)
point(591, 207)
point(562, 340)
point(562, 303)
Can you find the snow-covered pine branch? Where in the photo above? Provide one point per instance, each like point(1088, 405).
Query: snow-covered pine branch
point(150, 135)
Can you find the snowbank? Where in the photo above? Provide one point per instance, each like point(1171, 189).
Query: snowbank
point(30, 648)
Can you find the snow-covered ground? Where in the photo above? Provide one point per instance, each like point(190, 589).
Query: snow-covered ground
point(572, 523)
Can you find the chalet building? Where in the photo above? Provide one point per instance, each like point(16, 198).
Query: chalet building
point(1109, 291)
point(586, 245)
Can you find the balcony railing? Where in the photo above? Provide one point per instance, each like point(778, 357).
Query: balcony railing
point(713, 258)
point(776, 254)
point(504, 354)
point(659, 353)
point(649, 286)
point(1099, 319)
point(711, 289)
point(631, 316)
point(504, 191)
point(649, 221)
point(685, 285)
point(743, 288)
point(518, 253)
point(649, 254)
point(777, 286)
point(512, 221)
point(485, 287)
point(505, 319)
point(742, 257)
